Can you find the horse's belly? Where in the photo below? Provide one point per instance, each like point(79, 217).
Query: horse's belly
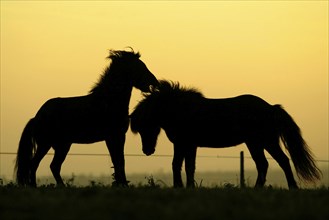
point(218, 141)
point(86, 135)
point(81, 133)
point(216, 138)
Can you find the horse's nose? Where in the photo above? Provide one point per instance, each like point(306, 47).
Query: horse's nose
point(148, 152)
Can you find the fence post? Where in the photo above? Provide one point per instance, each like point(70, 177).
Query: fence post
point(242, 182)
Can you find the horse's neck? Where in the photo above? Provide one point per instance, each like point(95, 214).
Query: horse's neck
point(116, 88)
point(116, 95)
point(121, 95)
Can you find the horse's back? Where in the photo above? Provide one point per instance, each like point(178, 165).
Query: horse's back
point(81, 119)
point(67, 107)
point(236, 107)
point(225, 122)
point(245, 101)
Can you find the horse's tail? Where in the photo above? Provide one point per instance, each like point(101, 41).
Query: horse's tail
point(26, 149)
point(298, 149)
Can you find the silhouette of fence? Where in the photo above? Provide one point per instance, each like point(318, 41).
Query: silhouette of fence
point(134, 155)
point(241, 157)
point(155, 155)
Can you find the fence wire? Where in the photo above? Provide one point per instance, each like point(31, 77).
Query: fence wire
point(155, 155)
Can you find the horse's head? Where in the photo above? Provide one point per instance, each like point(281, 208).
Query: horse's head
point(138, 73)
point(149, 138)
point(142, 78)
point(143, 121)
point(126, 71)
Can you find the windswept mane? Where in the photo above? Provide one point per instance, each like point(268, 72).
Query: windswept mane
point(172, 89)
point(166, 93)
point(122, 54)
point(114, 56)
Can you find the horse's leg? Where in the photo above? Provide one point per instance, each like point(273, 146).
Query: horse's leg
point(61, 151)
point(41, 151)
point(115, 145)
point(190, 165)
point(278, 155)
point(257, 154)
point(177, 165)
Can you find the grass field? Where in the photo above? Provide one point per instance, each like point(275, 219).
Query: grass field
point(152, 202)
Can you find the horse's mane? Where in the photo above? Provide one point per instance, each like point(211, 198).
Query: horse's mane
point(114, 56)
point(122, 54)
point(168, 91)
point(172, 89)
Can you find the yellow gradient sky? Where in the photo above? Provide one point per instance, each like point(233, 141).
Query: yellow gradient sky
point(277, 50)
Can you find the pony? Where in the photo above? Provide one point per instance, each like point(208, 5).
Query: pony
point(100, 115)
point(190, 120)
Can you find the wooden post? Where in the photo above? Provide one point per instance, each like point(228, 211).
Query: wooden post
point(242, 183)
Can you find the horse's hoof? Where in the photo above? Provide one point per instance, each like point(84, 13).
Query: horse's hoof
point(120, 184)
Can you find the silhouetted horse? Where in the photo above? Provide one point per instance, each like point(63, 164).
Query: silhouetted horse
point(190, 120)
point(100, 115)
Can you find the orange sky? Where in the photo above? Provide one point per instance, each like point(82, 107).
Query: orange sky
point(276, 50)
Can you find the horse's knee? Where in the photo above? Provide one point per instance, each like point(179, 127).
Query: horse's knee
point(55, 168)
point(265, 166)
point(176, 166)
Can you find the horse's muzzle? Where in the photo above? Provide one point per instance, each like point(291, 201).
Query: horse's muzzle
point(148, 152)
